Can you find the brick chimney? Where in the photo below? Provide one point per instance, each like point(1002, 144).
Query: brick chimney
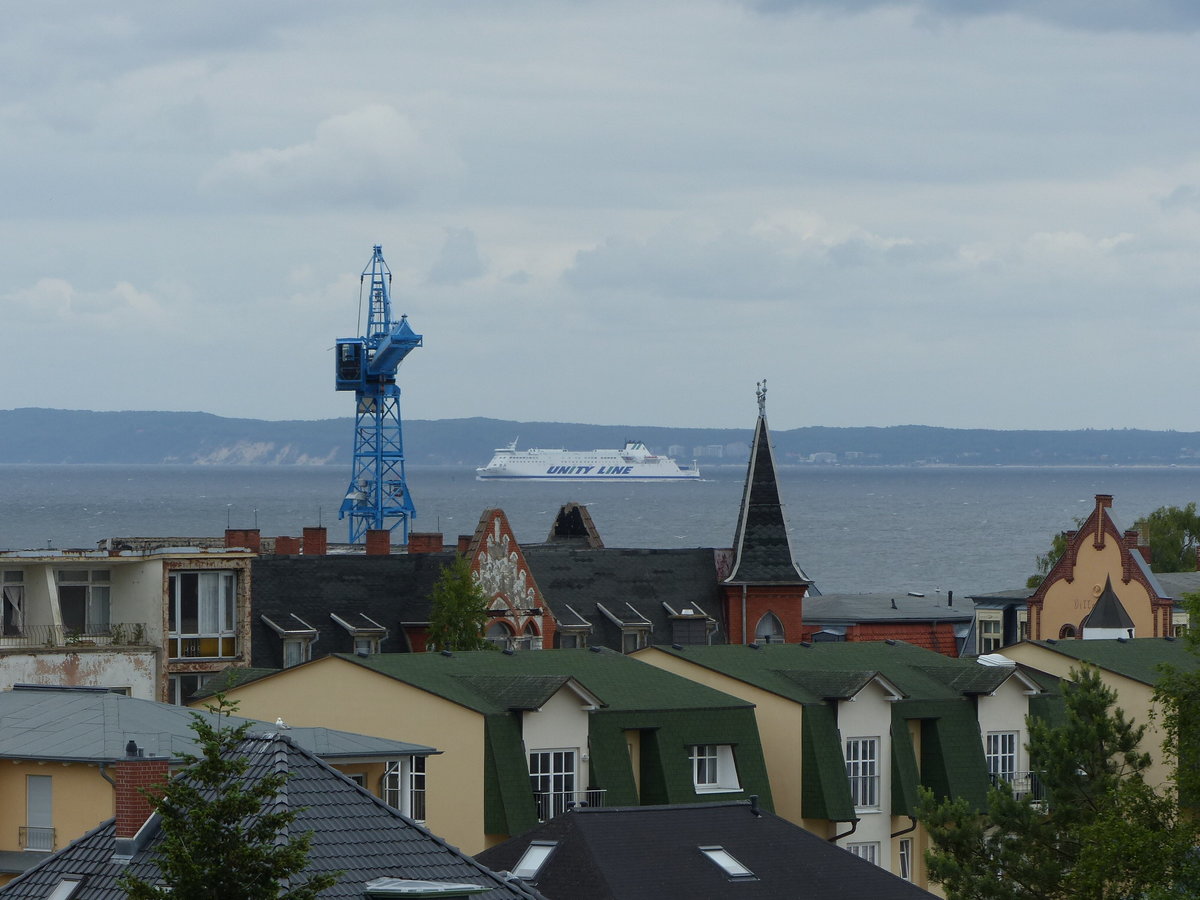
point(379, 541)
point(132, 774)
point(315, 542)
point(243, 537)
point(287, 546)
point(464, 542)
point(1104, 501)
point(425, 542)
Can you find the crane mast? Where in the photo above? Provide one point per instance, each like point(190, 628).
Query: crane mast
point(378, 494)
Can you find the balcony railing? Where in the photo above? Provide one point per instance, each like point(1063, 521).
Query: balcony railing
point(37, 837)
point(1022, 785)
point(116, 634)
point(552, 803)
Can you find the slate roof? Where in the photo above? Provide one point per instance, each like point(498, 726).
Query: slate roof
point(1178, 583)
point(573, 525)
point(1002, 599)
point(1139, 658)
point(390, 589)
point(653, 852)
point(353, 831)
point(762, 551)
point(885, 607)
point(1108, 611)
point(576, 582)
point(73, 724)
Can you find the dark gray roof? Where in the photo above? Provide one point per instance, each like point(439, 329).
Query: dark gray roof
point(79, 724)
point(353, 832)
point(389, 589)
point(762, 552)
point(885, 607)
point(1108, 611)
point(573, 525)
point(652, 852)
point(642, 586)
point(1178, 583)
point(1002, 599)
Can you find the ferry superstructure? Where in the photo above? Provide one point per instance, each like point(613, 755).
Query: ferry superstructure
point(634, 462)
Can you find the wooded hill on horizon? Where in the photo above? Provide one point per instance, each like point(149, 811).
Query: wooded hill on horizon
point(56, 436)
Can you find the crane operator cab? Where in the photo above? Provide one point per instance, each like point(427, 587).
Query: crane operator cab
point(350, 353)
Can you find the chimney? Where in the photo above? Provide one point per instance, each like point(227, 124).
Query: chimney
point(1104, 501)
point(464, 542)
point(425, 542)
point(315, 542)
point(379, 542)
point(287, 546)
point(243, 537)
point(134, 773)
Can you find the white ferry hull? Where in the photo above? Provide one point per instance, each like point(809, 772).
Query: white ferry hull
point(633, 463)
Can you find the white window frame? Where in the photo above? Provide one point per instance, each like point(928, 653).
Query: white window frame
point(868, 850)
point(97, 597)
point(175, 689)
point(769, 629)
point(714, 768)
point(553, 775)
point(991, 630)
point(1000, 750)
point(216, 614)
point(906, 859)
point(862, 769)
point(729, 864)
point(404, 786)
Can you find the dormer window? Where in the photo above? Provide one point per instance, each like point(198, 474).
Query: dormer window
point(297, 636)
point(365, 631)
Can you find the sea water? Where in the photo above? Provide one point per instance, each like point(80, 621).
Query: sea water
point(853, 529)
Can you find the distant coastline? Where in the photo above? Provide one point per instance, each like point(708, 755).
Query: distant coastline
point(49, 436)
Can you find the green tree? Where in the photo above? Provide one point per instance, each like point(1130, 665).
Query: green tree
point(459, 610)
point(1101, 832)
point(1046, 561)
point(223, 836)
point(1173, 534)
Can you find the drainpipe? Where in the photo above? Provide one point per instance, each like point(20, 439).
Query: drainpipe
point(744, 635)
point(838, 837)
point(912, 827)
point(106, 776)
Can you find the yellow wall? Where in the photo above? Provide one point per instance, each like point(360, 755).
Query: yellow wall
point(334, 693)
point(1134, 697)
point(1067, 602)
point(80, 799)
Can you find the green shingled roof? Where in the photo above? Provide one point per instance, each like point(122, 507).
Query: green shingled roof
point(1136, 658)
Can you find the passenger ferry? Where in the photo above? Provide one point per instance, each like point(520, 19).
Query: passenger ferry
point(634, 462)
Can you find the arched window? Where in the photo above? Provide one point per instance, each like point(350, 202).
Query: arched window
point(530, 639)
point(769, 630)
point(500, 634)
point(1066, 632)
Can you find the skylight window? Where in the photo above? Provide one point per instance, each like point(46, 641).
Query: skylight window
point(729, 865)
point(533, 858)
point(66, 888)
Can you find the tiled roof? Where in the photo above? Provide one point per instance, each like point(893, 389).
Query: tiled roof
point(885, 607)
point(762, 552)
point(353, 832)
point(1140, 658)
point(73, 724)
point(620, 682)
point(654, 852)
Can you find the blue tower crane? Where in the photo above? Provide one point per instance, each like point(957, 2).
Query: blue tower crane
point(378, 495)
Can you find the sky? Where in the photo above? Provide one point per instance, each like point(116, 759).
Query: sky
point(973, 215)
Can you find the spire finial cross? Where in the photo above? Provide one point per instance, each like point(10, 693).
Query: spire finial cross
point(761, 393)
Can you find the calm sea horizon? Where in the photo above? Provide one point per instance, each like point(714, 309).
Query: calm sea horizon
point(853, 529)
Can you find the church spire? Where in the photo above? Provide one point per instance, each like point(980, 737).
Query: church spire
point(762, 551)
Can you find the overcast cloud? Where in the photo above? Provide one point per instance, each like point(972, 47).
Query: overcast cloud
point(962, 214)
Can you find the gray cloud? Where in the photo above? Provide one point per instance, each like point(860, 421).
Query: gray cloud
point(458, 260)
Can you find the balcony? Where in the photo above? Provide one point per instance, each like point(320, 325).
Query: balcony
point(37, 837)
point(112, 636)
point(552, 803)
point(1022, 785)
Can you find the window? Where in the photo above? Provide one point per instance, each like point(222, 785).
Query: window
point(568, 640)
point(533, 859)
point(552, 775)
point(1000, 748)
point(906, 859)
point(634, 639)
point(769, 630)
point(500, 634)
point(296, 651)
point(12, 594)
point(83, 600)
point(181, 686)
point(868, 850)
point(358, 778)
point(531, 639)
point(202, 617)
point(1066, 632)
point(728, 863)
point(989, 635)
point(66, 888)
point(862, 768)
point(713, 768)
point(297, 638)
point(365, 632)
point(404, 787)
point(38, 832)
